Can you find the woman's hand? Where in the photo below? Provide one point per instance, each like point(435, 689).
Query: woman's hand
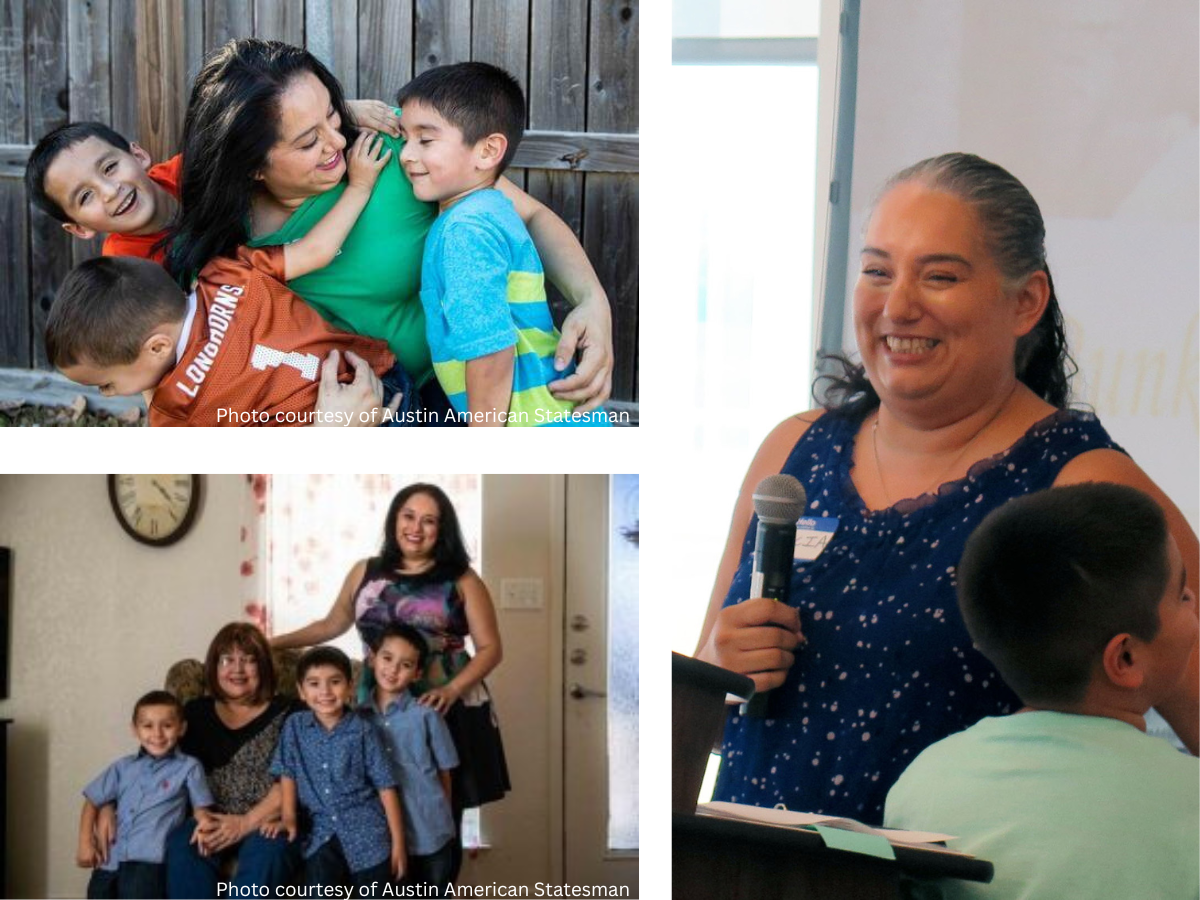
point(219, 832)
point(364, 162)
point(587, 328)
point(440, 698)
point(356, 403)
point(87, 856)
point(745, 639)
point(375, 115)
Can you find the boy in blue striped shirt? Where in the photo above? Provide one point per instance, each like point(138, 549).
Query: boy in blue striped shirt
point(489, 327)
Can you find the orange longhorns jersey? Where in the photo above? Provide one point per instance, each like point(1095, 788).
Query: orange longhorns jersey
point(253, 346)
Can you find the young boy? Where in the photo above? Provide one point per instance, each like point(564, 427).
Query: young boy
point(93, 180)
point(332, 764)
point(422, 750)
point(240, 349)
point(151, 789)
point(1078, 596)
point(489, 327)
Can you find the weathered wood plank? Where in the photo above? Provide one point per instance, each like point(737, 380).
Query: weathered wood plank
point(279, 20)
point(443, 33)
point(578, 151)
point(161, 76)
point(610, 237)
point(225, 20)
point(123, 82)
point(613, 68)
point(46, 90)
point(500, 36)
point(558, 64)
point(14, 233)
point(331, 35)
point(385, 48)
point(88, 68)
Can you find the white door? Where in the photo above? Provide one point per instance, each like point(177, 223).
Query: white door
point(600, 675)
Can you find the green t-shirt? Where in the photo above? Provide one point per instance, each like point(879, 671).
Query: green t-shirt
point(1062, 805)
point(373, 286)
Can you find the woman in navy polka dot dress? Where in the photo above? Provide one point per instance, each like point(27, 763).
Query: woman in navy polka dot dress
point(959, 405)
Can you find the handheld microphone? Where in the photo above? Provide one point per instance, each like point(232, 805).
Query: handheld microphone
point(779, 500)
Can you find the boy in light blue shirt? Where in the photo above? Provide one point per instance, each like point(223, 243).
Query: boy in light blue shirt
point(1079, 597)
point(151, 789)
point(422, 752)
point(489, 327)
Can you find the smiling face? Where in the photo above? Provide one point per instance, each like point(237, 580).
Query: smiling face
point(327, 692)
point(307, 158)
point(417, 528)
point(102, 188)
point(237, 674)
point(932, 315)
point(396, 664)
point(438, 163)
point(158, 728)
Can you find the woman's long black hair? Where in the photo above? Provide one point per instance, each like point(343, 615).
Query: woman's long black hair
point(450, 558)
point(232, 123)
point(1015, 236)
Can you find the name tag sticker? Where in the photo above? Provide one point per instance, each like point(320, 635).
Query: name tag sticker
point(811, 537)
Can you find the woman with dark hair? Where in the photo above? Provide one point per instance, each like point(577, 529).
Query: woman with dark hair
point(262, 148)
point(959, 404)
point(422, 577)
point(233, 732)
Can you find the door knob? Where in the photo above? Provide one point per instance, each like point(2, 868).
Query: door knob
point(579, 692)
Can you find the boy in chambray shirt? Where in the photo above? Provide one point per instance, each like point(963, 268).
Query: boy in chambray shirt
point(421, 750)
point(151, 789)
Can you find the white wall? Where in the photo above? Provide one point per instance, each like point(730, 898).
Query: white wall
point(1095, 107)
point(98, 618)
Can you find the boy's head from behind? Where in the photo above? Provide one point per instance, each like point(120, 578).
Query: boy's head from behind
point(461, 124)
point(1076, 590)
point(158, 722)
point(91, 179)
point(324, 679)
point(115, 324)
point(398, 657)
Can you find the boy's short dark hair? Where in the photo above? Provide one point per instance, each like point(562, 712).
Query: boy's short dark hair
point(1047, 580)
point(158, 698)
point(405, 633)
point(62, 138)
point(106, 309)
point(476, 98)
point(323, 656)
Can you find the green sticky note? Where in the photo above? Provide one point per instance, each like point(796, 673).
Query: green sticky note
point(856, 842)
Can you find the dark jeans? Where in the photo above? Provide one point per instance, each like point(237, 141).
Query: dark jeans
point(396, 381)
point(131, 880)
point(261, 861)
point(435, 869)
point(327, 867)
point(435, 401)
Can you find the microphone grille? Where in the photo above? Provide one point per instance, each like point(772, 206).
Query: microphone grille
point(780, 499)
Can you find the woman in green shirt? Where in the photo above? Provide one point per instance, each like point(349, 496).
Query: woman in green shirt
point(263, 162)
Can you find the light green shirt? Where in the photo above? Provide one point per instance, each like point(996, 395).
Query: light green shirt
point(373, 286)
point(1064, 806)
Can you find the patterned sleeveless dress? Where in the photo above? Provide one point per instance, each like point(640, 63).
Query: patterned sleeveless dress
point(889, 667)
point(434, 608)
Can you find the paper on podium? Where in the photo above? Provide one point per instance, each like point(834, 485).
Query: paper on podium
point(786, 818)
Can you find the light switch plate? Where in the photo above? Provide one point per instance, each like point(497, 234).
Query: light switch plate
point(521, 593)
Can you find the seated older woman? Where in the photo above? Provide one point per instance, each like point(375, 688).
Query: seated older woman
point(959, 405)
point(233, 732)
point(262, 147)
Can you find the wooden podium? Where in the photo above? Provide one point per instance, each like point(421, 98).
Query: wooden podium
point(725, 858)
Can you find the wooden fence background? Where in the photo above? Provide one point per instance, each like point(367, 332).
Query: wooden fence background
point(130, 63)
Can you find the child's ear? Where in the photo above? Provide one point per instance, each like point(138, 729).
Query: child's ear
point(84, 234)
point(159, 345)
point(182, 727)
point(140, 155)
point(1122, 662)
point(490, 150)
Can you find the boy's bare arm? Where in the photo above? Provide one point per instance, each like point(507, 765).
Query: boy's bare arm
point(489, 386)
point(318, 248)
point(390, 798)
point(444, 778)
point(88, 856)
point(287, 790)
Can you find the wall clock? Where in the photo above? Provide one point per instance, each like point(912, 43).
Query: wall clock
point(155, 509)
